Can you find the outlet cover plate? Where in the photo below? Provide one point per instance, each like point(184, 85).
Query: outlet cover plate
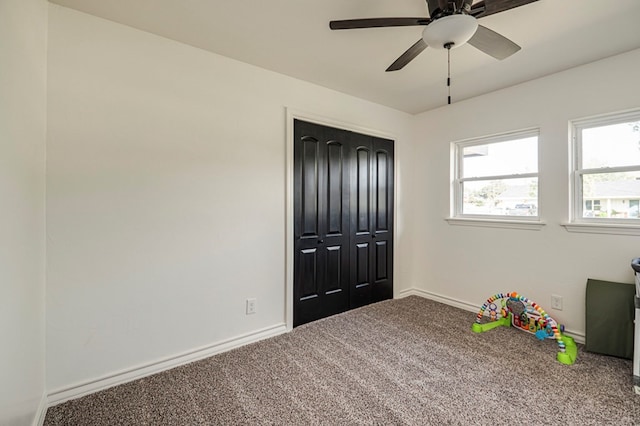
point(556, 302)
point(251, 306)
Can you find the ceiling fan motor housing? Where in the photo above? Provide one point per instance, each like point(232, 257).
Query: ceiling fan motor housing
point(439, 8)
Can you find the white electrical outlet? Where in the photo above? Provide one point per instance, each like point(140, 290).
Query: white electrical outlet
point(556, 302)
point(251, 306)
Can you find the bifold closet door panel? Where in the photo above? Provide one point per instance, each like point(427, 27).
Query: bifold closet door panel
point(321, 209)
point(382, 218)
point(371, 220)
point(362, 245)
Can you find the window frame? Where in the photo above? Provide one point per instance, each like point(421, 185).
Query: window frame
point(457, 216)
point(577, 201)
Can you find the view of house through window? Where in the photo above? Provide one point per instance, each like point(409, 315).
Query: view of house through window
point(607, 167)
point(497, 176)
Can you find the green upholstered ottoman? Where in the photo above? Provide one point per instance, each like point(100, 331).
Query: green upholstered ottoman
point(609, 318)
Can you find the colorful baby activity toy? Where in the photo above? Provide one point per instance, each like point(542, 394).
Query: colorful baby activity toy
point(514, 310)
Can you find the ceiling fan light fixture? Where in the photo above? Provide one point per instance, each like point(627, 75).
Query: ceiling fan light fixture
point(453, 30)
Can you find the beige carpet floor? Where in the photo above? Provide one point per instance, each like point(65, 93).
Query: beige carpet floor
point(401, 362)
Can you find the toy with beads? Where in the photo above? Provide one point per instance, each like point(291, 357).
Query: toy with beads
point(519, 312)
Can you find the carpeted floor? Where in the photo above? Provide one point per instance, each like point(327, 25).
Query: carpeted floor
point(401, 362)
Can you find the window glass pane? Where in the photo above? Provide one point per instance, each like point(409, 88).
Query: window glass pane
point(505, 197)
point(611, 146)
point(611, 195)
point(501, 158)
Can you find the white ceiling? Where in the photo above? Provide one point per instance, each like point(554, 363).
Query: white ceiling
point(292, 37)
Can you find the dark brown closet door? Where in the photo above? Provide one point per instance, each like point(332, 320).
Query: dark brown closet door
point(371, 275)
point(321, 222)
point(343, 221)
point(382, 212)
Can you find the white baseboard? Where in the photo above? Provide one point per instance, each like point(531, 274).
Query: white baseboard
point(117, 378)
point(467, 306)
point(579, 337)
point(41, 411)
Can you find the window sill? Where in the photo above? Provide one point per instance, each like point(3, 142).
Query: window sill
point(601, 228)
point(531, 225)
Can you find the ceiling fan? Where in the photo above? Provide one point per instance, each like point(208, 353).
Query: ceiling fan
point(451, 24)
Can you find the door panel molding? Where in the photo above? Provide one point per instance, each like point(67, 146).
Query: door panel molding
point(291, 115)
point(310, 187)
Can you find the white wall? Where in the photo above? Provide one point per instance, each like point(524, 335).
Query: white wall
point(166, 195)
point(23, 60)
point(469, 264)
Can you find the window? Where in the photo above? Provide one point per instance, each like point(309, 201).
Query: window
point(606, 172)
point(590, 206)
point(633, 208)
point(497, 177)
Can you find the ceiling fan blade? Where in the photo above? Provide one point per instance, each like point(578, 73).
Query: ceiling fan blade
point(490, 7)
point(478, 9)
point(408, 56)
point(492, 43)
point(348, 24)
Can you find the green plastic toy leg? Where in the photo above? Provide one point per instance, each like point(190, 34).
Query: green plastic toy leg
point(479, 328)
point(570, 354)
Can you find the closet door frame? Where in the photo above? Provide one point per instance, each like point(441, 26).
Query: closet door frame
point(291, 115)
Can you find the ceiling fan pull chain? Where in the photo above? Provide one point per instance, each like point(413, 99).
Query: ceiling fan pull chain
point(448, 46)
